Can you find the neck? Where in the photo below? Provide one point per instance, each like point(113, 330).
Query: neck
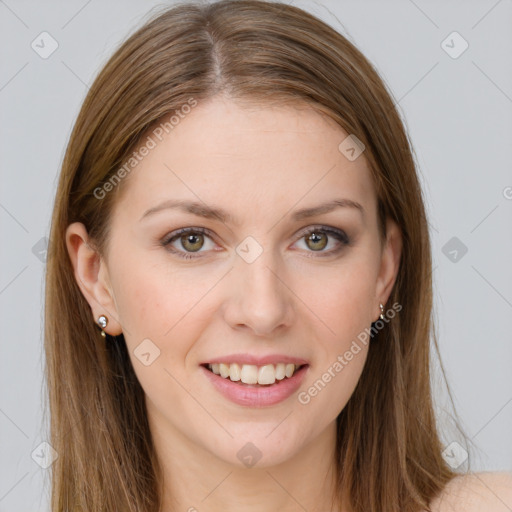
point(195, 480)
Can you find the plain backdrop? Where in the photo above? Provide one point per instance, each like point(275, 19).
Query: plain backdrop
point(457, 106)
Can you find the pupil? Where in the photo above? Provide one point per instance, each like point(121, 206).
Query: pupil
point(316, 238)
point(189, 240)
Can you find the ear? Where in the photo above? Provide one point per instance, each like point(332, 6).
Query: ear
point(91, 275)
point(390, 263)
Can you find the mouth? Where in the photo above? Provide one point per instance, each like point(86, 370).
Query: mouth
point(253, 375)
point(253, 385)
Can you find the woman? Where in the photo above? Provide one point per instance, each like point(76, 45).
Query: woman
point(239, 296)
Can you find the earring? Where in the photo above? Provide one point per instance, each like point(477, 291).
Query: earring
point(102, 322)
point(381, 312)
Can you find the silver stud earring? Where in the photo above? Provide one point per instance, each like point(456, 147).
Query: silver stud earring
point(102, 322)
point(381, 312)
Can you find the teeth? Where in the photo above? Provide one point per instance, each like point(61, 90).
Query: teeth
point(224, 370)
point(235, 372)
point(280, 371)
point(249, 374)
point(267, 374)
point(290, 368)
point(252, 374)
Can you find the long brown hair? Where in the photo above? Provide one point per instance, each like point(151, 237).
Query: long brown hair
point(388, 448)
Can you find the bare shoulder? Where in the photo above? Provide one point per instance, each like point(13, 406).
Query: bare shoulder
point(474, 492)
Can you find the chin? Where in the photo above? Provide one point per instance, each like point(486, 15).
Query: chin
point(259, 448)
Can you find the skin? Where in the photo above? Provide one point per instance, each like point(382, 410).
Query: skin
point(476, 492)
point(260, 164)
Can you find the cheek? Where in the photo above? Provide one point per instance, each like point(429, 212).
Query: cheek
point(148, 296)
point(157, 302)
point(162, 316)
point(341, 298)
point(344, 306)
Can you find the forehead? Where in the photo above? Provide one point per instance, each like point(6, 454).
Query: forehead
point(249, 158)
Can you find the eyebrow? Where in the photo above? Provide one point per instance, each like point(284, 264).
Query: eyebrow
point(209, 212)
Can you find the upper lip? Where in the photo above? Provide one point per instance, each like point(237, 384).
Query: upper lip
point(256, 360)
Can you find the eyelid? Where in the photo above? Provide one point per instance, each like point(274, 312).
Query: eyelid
point(325, 229)
point(338, 234)
point(343, 240)
point(169, 238)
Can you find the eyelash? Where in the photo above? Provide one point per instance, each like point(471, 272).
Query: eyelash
point(338, 234)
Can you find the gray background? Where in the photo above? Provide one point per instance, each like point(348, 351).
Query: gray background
point(458, 113)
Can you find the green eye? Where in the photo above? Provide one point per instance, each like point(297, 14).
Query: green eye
point(316, 240)
point(192, 242)
point(187, 241)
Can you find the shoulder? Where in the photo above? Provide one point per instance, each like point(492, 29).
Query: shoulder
point(475, 492)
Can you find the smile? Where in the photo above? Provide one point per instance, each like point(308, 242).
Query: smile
point(252, 374)
point(254, 385)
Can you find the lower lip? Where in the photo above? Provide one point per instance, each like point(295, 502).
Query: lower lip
point(255, 395)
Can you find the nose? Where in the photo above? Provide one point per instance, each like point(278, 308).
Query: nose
point(260, 300)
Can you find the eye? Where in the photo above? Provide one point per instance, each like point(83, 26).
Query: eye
point(317, 238)
point(187, 241)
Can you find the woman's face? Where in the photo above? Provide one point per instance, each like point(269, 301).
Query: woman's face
point(271, 274)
